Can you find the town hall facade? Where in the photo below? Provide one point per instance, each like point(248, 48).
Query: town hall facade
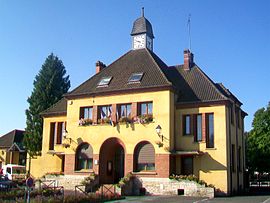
point(138, 115)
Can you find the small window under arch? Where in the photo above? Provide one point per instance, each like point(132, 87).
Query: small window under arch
point(84, 157)
point(144, 157)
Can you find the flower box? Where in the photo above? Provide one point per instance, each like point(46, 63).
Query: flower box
point(144, 119)
point(125, 120)
point(104, 120)
point(85, 122)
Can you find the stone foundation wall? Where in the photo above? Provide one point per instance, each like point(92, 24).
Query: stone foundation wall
point(165, 186)
point(153, 186)
point(67, 181)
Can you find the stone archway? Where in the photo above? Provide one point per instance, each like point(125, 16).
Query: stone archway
point(111, 161)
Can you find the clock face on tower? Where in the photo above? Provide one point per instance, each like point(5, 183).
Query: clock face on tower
point(139, 41)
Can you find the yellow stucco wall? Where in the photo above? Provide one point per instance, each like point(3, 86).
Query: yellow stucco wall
point(5, 157)
point(130, 135)
point(95, 135)
point(237, 138)
point(46, 163)
point(212, 166)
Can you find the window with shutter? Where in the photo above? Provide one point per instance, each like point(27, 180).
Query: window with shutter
point(60, 130)
point(198, 126)
point(52, 136)
point(84, 157)
point(210, 130)
point(186, 125)
point(144, 157)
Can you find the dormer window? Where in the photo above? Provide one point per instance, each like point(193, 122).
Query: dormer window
point(135, 77)
point(104, 81)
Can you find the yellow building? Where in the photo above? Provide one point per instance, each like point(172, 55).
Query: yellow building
point(142, 116)
point(11, 148)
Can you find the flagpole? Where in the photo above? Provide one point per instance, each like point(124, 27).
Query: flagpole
point(189, 32)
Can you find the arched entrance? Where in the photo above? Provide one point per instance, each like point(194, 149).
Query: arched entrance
point(111, 161)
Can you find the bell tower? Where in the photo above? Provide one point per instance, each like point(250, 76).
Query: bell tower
point(142, 33)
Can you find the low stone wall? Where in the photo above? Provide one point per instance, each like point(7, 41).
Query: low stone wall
point(166, 186)
point(153, 186)
point(67, 181)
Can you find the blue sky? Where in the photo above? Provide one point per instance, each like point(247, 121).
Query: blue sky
point(230, 42)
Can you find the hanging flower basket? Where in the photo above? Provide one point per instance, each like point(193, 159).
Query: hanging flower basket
point(159, 144)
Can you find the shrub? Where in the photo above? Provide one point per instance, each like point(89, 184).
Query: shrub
point(89, 179)
point(190, 178)
point(123, 181)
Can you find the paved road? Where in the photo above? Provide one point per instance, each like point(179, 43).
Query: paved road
point(181, 199)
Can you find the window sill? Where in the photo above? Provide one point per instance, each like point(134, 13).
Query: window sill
point(199, 142)
point(214, 148)
point(118, 123)
point(85, 125)
point(85, 171)
point(144, 173)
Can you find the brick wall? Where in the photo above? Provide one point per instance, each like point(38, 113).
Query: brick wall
point(95, 166)
point(134, 108)
point(70, 165)
point(162, 165)
point(128, 163)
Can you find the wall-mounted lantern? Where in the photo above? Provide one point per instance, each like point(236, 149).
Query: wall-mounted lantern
point(158, 130)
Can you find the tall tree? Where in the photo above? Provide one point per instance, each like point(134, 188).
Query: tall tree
point(258, 141)
point(49, 86)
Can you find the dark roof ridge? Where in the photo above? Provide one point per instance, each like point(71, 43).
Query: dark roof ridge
point(224, 88)
point(96, 74)
point(9, 138)
point(52, 106)
point(210, 82)
point(229, 93)
point(162, 73)
point(18, 130)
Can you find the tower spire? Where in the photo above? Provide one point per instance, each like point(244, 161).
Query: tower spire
point(142, 11)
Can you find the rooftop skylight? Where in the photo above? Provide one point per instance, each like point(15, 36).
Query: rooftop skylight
point(105, 81)
point(135, 77)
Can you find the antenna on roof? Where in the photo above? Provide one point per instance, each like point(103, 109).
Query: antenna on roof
point(142, 11)
point(189, 27)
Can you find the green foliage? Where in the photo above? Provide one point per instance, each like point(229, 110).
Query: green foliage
point(258, 142)
point(123, 181)
point(190, 178)
point(148, 118)
point(49, 86)
point(87, 180)
point(125, 120)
